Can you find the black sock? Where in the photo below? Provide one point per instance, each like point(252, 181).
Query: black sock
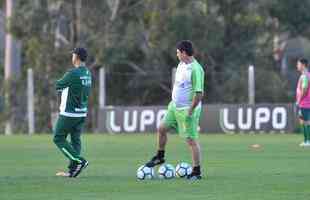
point(196, 170)
point(161, 153)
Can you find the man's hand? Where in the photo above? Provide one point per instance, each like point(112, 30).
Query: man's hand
point(197, 98)
point(190, 111)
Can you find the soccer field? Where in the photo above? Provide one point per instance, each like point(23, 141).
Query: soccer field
point(278, 170)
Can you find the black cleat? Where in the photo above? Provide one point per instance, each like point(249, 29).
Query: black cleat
point(155, 161)
point(74, 172)
point(194, 177)
point(71, 165)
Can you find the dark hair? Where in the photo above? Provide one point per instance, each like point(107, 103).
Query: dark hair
point(187, 46)
point(81, 52)
point(303, 61)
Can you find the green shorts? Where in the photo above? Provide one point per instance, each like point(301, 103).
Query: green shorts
point(178, 119)
point(304, 114)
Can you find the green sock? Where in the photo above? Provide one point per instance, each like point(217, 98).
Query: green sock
point(304, 130)
point(308, 133)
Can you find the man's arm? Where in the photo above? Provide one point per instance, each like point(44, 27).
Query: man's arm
point(64, 82)
point(198, 84)
point(196, 99)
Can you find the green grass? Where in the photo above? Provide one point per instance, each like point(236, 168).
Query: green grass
point(279, 170)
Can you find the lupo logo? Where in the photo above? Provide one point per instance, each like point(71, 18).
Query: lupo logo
point(262, 119)
point(133, 120)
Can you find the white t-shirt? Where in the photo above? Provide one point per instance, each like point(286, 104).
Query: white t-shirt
point(189, 79)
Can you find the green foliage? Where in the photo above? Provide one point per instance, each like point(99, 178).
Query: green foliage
point(294, 16)
point(137, 46)
point(269, 82)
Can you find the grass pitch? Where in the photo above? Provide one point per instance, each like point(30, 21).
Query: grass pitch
point(276, 168)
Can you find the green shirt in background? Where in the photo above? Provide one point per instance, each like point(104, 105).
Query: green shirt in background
point(75, 88)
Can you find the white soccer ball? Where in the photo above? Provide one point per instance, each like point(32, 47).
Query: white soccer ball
point(183, 169)
point(145, 172)
point(166, 171)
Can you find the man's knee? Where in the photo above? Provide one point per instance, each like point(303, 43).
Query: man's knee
point(58, 139)
point(191, 142)
point(162, 130)
point(76, 142)
point(55, 139)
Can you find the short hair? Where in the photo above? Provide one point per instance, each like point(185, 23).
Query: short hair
point(81, 52)
point(303, 61)
point(186, 46)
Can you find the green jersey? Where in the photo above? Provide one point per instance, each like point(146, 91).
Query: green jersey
point(189, 79)
point(75, 88)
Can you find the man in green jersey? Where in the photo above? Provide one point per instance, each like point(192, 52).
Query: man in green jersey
point(184, 110)
point(75, 87)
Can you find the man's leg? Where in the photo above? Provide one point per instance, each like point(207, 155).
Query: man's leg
point(76, 142)
point(307, 133)
point(61, 131)
point(303, 126)
point(304, 131)
point(188, 126)
point(306, 122)
point(196, 159)
point(196, 155)
point(62, 128)
point(195, 151)
point(168, 121)
point(162, 138)
point(76, 145)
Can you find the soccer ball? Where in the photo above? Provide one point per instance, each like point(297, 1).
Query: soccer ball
point(145, 172)
point(166, 171)
point(183, 169)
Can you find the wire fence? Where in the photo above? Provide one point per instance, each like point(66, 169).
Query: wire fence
point(136, 89)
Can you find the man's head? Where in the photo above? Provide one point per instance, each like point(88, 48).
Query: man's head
point(302, 63)
point(184, 50)
point(79, 55)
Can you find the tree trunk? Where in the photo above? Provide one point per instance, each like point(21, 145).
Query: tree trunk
point(11, 73)
point(76, 12)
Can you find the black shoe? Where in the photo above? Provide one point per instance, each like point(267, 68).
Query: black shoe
point(74, 172)
point(71, 165)
point(155, 161)
point(194, 177)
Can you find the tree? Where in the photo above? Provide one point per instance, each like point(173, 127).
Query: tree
point(135, 41)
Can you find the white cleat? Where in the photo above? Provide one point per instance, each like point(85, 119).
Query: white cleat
point(302, 144)
point(307, 144)
point(63, 174)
